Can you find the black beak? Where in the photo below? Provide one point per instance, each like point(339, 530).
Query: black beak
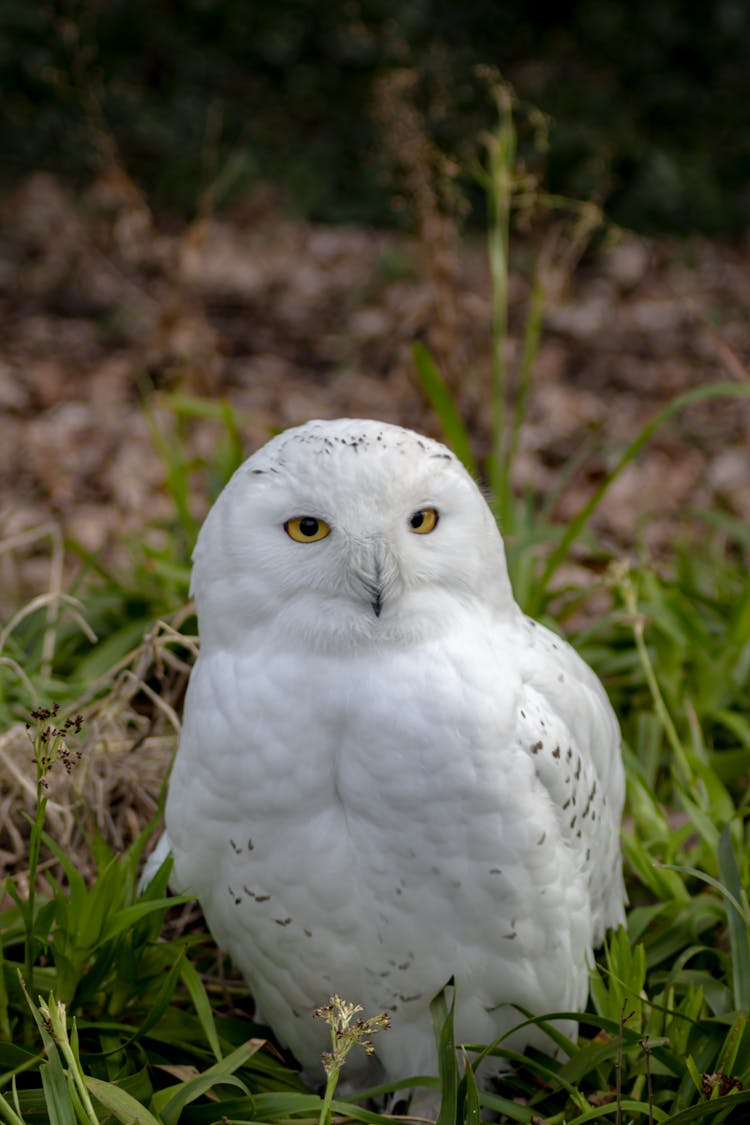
point(377, 604)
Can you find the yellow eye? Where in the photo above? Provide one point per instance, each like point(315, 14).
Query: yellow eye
point(424, 520)
point(306, 529)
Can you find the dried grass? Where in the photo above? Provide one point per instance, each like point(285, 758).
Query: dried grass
point(129, 734)
point(428, 190)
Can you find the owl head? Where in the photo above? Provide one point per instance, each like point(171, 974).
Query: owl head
point(347, 532)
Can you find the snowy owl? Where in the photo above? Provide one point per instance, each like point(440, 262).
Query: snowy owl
point(388, 775)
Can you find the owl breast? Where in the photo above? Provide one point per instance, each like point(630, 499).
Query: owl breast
point(374, 828)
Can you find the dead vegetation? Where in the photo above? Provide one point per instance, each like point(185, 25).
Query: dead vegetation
point(128, 735)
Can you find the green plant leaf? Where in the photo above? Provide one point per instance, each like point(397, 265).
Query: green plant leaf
point(737, 919)
point(471, 1106)
point(442, 403)
point(613, 1109)
point(192, 981)
point(442, 1022)
point(676, 406)
point(706, 1110)
point(124, 1106)
point(173, 1100)
point(7, 1110)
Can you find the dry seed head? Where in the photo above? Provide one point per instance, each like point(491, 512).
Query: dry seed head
point(50, 742)
point(347, 1032)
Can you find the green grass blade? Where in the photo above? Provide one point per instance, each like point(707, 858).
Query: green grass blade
point(543, 1073)
point(284, 1105)
point(704, 1111)
point(471, 1105)
point(57, 1093)
point(442, 1022)
point(732, 1043)
point(514, 1111)
point(737, 922)
point(162, 1000)
point(118, 1102)
point(578, 523)
point(217, 410)
point(532, 334)
point(644, 1111)
point(52, 1073)
point(174, 1099)
point(351, 1110)
point(192, 981)
point(187, 1092)
point(498, 180)
point(734, 901)
point(441, 401)
point(129, 916)
point(6, 1110)
point(177, 469)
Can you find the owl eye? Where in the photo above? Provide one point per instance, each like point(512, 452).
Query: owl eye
point(424, 520)
point(306, 529)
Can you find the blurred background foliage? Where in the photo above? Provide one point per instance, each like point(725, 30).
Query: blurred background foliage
point(649, 99)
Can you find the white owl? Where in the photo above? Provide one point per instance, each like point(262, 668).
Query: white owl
point(388, 775)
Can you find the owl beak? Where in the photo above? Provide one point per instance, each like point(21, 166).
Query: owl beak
point(375, 569)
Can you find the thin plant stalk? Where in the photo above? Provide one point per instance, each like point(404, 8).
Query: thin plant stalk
point(348, 1030)
point(50, 746)
point(332, 1080)
point(501, 152)
point(532, 334)
point(638, 624)
point(35, 842)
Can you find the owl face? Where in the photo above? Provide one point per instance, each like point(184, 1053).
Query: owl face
point(347, 529)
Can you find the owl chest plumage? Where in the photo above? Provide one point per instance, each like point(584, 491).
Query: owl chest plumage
point(345, 759)
point(374, 829)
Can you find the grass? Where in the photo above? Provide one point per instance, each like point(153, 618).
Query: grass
point(115, 1007)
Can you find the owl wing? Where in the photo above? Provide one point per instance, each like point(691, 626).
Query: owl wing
point(569, 729)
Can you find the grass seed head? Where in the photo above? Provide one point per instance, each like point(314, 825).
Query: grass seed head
point(347, 1031)
point(50, 742)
